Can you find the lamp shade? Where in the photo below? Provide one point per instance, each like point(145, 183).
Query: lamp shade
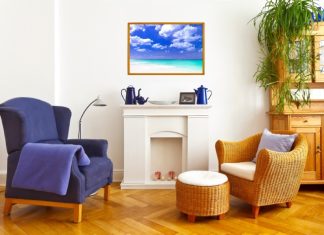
point(99, 102)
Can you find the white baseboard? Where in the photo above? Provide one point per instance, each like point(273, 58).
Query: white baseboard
point(3, 176)
point(213, 169)
point(118, 176)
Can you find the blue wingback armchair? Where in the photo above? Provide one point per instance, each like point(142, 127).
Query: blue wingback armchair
point(28, 120)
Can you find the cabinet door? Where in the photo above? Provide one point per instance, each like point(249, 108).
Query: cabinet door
point(313, 164)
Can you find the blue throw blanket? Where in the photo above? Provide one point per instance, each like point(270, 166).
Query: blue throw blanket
point(47, 167)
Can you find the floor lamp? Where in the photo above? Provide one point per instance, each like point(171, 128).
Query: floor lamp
point(96, 102)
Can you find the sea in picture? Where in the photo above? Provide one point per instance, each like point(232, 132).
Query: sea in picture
point(166, 66)
point(166, 48)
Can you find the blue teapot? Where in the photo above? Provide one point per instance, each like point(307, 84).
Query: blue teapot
point(201, 94)
point(140, 99)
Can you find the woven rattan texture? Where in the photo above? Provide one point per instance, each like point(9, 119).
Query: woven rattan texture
point(202, 200)
point(277, 176)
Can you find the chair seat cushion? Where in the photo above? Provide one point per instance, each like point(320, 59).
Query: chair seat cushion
point(243, 170)
point(202, 178)
point(100, 168)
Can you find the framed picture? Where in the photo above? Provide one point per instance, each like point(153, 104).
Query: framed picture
point(319, 62)
point(157, 48)
point(187, 98)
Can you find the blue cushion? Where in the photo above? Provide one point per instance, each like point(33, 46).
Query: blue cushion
point(275, 142)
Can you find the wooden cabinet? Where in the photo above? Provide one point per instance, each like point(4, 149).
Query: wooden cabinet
point(315, 82)
point(311, 126)
point(307, 120)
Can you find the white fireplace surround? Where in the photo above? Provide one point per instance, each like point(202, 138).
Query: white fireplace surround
point(144, 123)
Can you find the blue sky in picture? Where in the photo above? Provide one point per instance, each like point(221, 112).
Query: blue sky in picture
point(166, 41)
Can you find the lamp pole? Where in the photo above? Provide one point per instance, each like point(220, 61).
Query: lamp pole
point(95, 102)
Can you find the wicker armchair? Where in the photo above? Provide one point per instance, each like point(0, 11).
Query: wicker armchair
point(277, 174)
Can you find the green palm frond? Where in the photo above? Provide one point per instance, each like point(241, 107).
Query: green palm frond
point(284, 34)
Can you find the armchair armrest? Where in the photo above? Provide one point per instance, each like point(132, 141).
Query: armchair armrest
point(240, 151)
point(282, 168)
point(76, 189)
point(92, 147)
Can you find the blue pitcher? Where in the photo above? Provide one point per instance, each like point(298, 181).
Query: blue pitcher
point(201, 94)
point(130, 95)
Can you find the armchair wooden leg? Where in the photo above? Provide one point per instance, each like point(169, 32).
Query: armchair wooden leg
point(191, 218)
point(7, 206)
point(288, 204)
point(106, 192)
point(255, 211)
point(221, 216)
point(77, 217)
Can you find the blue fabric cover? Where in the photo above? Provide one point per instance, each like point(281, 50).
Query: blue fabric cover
point(37, 162)
point(20, 128)
point(275, 142)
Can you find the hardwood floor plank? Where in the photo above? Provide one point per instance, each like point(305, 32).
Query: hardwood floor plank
point(136, 225)
point(157, 227)
point(125, 228)
point(107, 226)
point(154, 212)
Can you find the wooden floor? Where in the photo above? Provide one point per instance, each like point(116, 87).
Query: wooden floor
point(154, 212)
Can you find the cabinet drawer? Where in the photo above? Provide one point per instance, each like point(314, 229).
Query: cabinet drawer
point(305, 121)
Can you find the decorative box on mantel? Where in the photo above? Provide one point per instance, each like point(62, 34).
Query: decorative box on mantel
point(163, 138)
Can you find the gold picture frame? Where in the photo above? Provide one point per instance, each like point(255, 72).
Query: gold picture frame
point(166, 48)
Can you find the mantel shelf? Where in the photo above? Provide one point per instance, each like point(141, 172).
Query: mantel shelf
point(172, 106)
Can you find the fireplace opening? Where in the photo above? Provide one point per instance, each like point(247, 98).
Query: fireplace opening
point(167, 160)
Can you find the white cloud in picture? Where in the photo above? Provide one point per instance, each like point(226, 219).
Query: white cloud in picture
point(159, 46)
point(135, 41)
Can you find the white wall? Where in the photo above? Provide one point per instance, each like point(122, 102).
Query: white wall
point(26, 54)
point(93, 60)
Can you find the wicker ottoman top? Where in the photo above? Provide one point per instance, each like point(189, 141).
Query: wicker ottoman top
point(202, 178)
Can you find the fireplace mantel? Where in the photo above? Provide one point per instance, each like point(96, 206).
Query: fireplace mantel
point(143, 123)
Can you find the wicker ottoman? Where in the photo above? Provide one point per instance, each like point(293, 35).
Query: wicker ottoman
point(202, 193)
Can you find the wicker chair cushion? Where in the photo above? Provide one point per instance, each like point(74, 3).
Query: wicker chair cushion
point(275, 142)
point(202, 178)
point(243, 170)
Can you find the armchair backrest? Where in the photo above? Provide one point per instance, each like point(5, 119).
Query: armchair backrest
point(28, 120)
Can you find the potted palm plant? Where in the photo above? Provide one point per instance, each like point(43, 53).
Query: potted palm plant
point(284, 35)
